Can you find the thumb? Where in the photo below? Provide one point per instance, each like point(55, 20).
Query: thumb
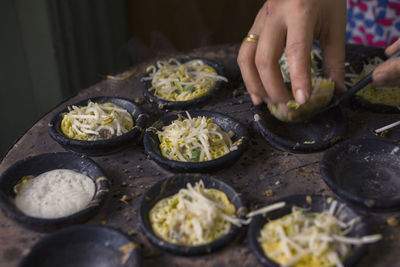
point(393, 48)
point(387, 73)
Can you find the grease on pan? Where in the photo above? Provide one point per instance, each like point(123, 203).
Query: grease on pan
point(152, 144)
point(170, 186)
point(302, 137)
point(84, 245)
point(100, 147)
point(364, 172)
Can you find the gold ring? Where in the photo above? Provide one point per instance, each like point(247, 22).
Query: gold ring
point(251, 38)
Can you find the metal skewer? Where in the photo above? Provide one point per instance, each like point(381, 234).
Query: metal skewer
point(387, 127)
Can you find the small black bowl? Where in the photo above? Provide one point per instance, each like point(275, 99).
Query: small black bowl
point(357, 57)
point(100, 147)
point(364, 172)
point(302, 137)
point(43, 163)
point(171, 186)
point(84, 245)
point(318, 204)
point(152, 143)
point(177, 105)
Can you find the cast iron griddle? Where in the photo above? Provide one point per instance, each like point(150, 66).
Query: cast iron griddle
point(261, 168)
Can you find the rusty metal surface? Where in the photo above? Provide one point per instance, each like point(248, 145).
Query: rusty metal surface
point(261, 168)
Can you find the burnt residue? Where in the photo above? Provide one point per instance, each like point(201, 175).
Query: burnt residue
point(127, 251)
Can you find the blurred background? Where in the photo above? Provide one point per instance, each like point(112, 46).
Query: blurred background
point(51, 49)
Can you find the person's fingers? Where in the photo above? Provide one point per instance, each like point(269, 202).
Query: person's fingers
point(283, 107)
point(269, 50)
point(393, 48)
point(249, 72)
point(333, 45)
point(388, 73)
point(256, 99)
point(298, 50)
point(296, 22)
point(246, 61)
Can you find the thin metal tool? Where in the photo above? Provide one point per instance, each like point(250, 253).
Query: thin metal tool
point(387, 127)
point(354, 89)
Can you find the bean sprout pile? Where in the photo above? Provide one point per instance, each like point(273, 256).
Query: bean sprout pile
point(194, 216)
point(96, 121)
point(194, 139)
point(197, 215)
point(175, 81)
point(304, 238)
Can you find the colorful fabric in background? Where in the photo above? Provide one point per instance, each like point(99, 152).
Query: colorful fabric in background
point(373, 22)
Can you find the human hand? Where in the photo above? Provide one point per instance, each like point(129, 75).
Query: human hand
point(298, 22)
point(388, 73)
